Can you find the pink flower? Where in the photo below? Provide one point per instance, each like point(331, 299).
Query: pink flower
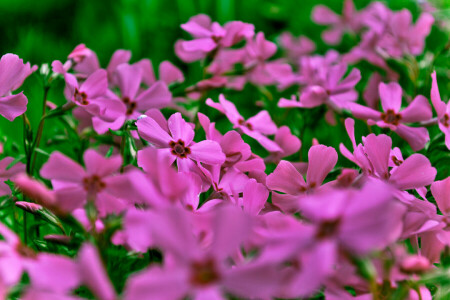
point(8, 173)
point(401, 37)
point(393, 118)
point(376, 156)
point(13, 73)
point(259, 70)
point(343, 219)
point(97, 183)
point(288, 142)
point(175, 140)
point(91, 95)
point(256, 127)
point(209, 36)
point(442, 110)
point(326, 86)
point(296, 47)
point(434, 241)
point(287, 179)
point(349, 21)
point(133, 101)
point(199, 270)
point(92, 273)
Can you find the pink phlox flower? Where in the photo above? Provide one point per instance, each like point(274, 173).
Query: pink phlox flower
point(85, 62)
point(350, 21)
point(256, 127)
point(8, 173)
point(442, 110)
point(92, 95)
point(225, 184)
point(343, 219)
point(433, 242)
point(133, 101)
point(394, 118)
point(198, 269)
point(99, 182)
point(412, 173)
point(174, 139)
point(210, 36)
point(93, 274)
point(402, 37)
point(162, 185)
point(260, 71)
point(287, 179)
point(296, 47)
point(13, 73)
point(288, 143)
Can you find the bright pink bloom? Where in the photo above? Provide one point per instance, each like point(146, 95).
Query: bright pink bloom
point(327, 86)
point(259, 70)
point(287, 179)
point(91, 95)
point(132, 101)
point(402, 37)
point(296, 47)
point(8, 173)
point(199, 270)
point(414, 172)
point(13, 73)
point(349, 21)
point(175, 140)
point(442, 110)
point(288, 143)
point(99, 182)
point(256, 127)
point(92, 273)
point(434, 242)
point(209, 36)
point(393, 118)
point(342, 218)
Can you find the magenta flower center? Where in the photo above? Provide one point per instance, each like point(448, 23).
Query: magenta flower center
point(445, 120)
point(131, 105)
point(308, 187)
point(179, 149)
point(328, 228)
point(391, 117)
point(81, 97)
point(243, 123)
point(93, 184)
point(25, 251)
point(396, 161)
point(204, 272)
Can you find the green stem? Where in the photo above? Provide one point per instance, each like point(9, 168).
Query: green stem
point(40, 130)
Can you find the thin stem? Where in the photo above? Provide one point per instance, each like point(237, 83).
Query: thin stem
point(40, 129)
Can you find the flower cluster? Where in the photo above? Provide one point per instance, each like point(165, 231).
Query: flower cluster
point(174, 191)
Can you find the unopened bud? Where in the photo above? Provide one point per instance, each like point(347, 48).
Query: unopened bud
point(35, 190)
point(28, 206)
point(415, 264)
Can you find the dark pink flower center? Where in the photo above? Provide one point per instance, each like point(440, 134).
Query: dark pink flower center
point(204, 272)
point(179, 149)
point(328, 228)
point(25, 251)
point(243, 123)
point(445, 120)
point(310, 186)
point(131, 105)
point(391, 117)
point(396, 161)
point(80, 97)
point(93, 184)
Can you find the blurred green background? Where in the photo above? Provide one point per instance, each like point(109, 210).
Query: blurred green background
point(45, 30)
